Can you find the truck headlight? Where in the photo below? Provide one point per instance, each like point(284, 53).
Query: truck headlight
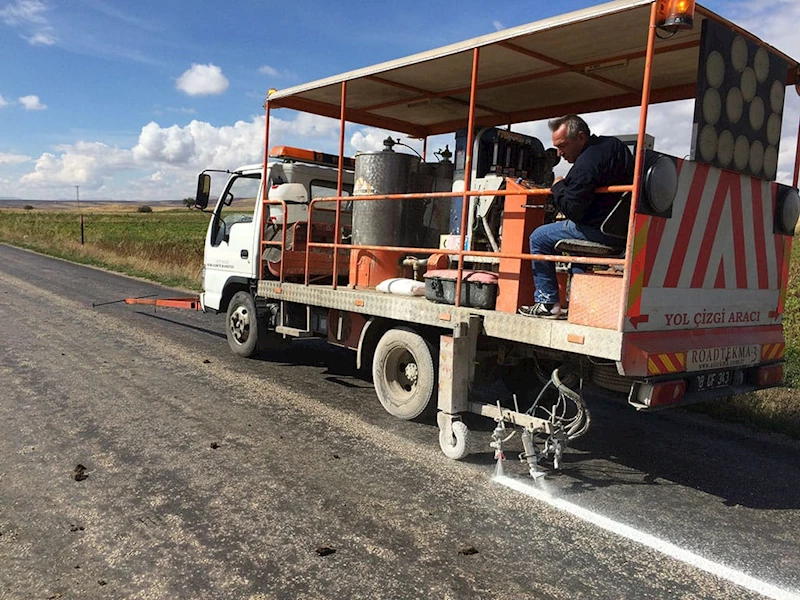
point(787, 210)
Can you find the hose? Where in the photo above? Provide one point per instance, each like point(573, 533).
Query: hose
point(574, 426)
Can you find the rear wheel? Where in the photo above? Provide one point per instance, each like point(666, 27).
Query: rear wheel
point(404, 373)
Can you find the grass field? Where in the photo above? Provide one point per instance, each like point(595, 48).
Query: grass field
point(166, 246)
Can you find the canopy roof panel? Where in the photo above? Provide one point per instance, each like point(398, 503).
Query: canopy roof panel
point(582, 61)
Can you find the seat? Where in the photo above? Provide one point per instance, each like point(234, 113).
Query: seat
point(614, 225)
point(572, 247)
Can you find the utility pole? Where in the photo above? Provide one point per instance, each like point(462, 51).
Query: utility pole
point(78, 200)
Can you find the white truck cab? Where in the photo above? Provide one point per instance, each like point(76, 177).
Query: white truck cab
point(233, 238)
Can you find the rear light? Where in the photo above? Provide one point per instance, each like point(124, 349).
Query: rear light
point(661, 393)
point(769, 375)
point(787, 210)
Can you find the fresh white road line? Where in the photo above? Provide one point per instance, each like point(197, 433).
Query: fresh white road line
point(742, 579)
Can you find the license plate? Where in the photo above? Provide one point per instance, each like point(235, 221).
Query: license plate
point(704, 359)
point(708, 381)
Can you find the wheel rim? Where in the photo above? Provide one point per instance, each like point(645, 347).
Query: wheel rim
point(240, 324)
point(402, 373)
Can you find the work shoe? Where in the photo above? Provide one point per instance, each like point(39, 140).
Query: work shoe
point(543, 310)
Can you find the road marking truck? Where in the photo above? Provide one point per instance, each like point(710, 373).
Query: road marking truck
point(420, 266)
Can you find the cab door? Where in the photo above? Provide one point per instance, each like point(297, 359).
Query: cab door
point(230, 243)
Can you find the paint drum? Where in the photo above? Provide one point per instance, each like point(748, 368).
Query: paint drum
point(384, 222)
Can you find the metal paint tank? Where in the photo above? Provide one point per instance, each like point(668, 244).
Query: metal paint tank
point(384, 222)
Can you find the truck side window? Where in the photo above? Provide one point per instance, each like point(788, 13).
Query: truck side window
point(321, 188)
point(237, 206)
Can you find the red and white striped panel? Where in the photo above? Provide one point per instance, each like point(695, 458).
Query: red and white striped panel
point(715, 262)
point(720, 235)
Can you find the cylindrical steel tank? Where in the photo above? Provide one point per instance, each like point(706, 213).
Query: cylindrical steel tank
point(384, 222)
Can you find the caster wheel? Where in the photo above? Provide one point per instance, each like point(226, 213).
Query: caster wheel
point(454, 445)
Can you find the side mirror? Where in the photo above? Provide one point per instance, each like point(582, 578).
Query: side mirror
point(203, 191)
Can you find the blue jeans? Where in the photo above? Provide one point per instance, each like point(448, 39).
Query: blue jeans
point(543, 241)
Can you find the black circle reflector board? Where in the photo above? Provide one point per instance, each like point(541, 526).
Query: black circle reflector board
point(738, 110)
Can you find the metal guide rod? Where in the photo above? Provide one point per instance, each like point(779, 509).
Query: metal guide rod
point(260, 254)
point(514, 417)
point(639, 163)
point(335, 273)
point(191, 303)
point(592, 260)
point(125, 300)
point(473, 90)
point(797, 154)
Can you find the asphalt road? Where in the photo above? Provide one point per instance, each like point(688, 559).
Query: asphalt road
point(211, 476)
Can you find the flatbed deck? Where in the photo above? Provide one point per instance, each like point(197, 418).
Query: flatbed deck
point(554, 334)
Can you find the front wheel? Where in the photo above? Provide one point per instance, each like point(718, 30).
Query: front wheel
point(404, 373)
point(242, 325)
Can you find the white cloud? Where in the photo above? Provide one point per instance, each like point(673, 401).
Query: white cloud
point(3, 101)
point(272, 72)
point(174, 145)
point(162, 110)
point(88, 164)
point(24, 11)
point(7, 158)
point(371, 140)
point(200, 145)
point(164, 162)
point(41, 38)
point(29, 15)
point(202, 80)
point(498, 25)
point(32, 103)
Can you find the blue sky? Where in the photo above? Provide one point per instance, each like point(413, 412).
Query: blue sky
point(130, 100)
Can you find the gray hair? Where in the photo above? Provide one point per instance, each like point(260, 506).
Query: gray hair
point(574, 125)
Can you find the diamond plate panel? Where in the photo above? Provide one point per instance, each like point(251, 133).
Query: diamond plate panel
point(556, 334)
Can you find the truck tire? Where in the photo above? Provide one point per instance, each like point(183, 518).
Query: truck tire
point(241, 326)
point(404, 373)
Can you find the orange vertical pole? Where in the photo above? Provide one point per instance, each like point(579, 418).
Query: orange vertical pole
point(797, 157)
point(263, 190)
point(467, 171)
point(338, 189)
point(639, 163)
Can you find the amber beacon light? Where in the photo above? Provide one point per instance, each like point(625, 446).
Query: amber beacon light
point(675, 14)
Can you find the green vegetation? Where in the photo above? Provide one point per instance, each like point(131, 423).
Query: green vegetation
point(791, 319)
point(167, 246)
point(775, 409)
point(164, 246)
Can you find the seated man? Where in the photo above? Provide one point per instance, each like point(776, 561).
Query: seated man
point(597, 161)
